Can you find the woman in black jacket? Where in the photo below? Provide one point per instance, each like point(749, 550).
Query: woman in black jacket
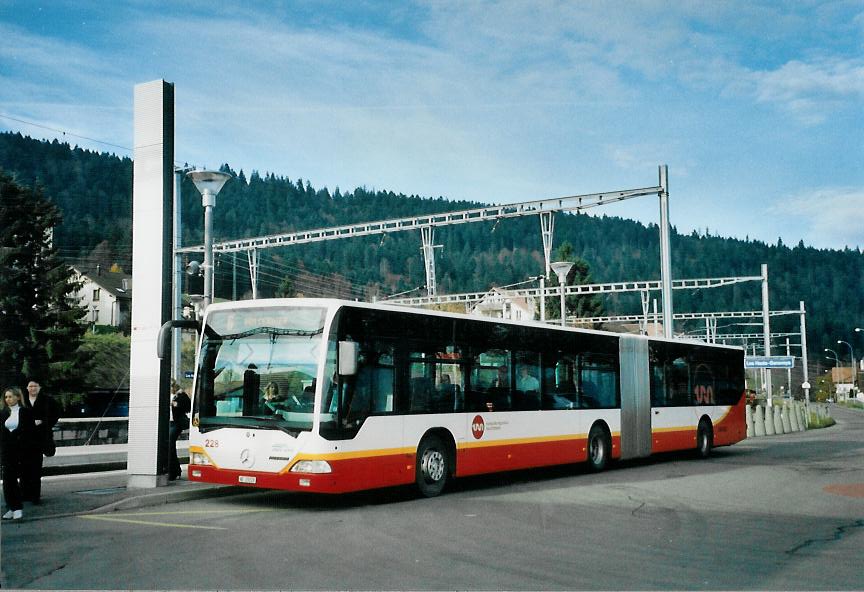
point(16, 441)
point(45, 417)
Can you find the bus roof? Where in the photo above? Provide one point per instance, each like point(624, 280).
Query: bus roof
point(335, 303)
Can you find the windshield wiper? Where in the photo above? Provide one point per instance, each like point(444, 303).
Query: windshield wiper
point(273, 331)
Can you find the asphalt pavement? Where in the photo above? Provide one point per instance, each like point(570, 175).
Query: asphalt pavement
point(93, 479)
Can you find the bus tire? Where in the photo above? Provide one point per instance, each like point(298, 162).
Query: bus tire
point(433, 466)
point(704, 439)
point(599, 448)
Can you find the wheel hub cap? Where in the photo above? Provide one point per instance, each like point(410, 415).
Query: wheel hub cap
point(433, 465)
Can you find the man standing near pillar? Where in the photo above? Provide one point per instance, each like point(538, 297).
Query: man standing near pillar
point(45, 417)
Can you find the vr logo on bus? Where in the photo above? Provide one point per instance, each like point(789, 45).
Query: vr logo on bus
point(478, 426)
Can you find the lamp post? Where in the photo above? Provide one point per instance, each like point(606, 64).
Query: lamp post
point(851, 358)
point(561, 269)
point(836, 359)
point(209, 184)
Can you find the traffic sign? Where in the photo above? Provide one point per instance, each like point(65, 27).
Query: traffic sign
point(769, 361)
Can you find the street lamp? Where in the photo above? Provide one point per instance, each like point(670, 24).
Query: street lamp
point(561, 269)
point(851, 358)
point(836, 359)
point(209, 184)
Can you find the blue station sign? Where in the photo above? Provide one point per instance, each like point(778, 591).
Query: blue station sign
point(783, 362)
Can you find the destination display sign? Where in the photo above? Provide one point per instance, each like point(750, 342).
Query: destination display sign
point(769, 361)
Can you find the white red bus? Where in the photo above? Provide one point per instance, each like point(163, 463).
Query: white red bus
point(333, 396)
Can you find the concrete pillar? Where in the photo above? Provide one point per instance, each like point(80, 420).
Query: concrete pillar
point(778, 421)
point(152, 254)
point(805, 416)
point(784, 418)
point(793, 416)
point(758, 421)
point(767, 421)
point(748, 416)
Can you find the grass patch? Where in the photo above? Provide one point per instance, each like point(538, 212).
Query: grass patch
point(852, 404)
point(817, 422)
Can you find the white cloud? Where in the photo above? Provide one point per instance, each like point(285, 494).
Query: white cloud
point(831, 217)
point(811, 90)
point(496, 101)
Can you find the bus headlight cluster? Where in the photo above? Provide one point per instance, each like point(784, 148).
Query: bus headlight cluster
point(197, 458)
point(312, 466)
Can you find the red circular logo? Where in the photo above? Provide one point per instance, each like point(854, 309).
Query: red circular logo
point(478, 427)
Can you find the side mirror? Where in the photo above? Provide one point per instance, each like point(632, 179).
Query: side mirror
point(164, 336)
point(349, 352)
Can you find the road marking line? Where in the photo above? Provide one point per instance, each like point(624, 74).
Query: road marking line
point(180, 512)
point(130, 518)
point(149, 523)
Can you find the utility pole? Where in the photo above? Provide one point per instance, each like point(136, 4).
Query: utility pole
point(766, 328)
point(665, 252)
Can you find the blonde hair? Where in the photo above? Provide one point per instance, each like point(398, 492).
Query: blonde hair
point(15, 391)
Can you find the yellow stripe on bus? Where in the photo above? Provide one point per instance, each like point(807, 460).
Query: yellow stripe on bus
point(514, 441)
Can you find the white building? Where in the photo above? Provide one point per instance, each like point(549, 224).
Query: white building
point(501, 304)
point(107, 296)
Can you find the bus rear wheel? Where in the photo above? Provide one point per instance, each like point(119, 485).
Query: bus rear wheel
point(704, 439)
point(433, 466)
point(599, 448)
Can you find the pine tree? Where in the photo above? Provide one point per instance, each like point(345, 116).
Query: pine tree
point(40, 324)
point(579, 274)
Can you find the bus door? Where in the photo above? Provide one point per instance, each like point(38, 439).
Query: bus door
point(635, 397)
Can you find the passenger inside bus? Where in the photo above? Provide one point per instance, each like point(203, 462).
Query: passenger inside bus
point(498, 395)
point(270, 398)
point(527, 395)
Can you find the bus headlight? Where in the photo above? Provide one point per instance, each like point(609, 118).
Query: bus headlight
point(312, 466)
point(198, 458)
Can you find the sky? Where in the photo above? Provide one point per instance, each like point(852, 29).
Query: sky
point(757, 107)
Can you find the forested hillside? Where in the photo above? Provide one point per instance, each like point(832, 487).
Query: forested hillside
point(94, 193)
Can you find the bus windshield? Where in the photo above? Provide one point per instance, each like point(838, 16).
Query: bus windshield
point(257, 369)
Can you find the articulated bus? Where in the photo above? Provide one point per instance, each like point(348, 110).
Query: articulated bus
point(334, 396)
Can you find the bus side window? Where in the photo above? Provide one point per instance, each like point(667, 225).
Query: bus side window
point(527, 394)
point(658, 386)
point(656, 365)
point(704, 387)
point(382, 390)
point(420, 394)
point(678, 377)
point(598, 382)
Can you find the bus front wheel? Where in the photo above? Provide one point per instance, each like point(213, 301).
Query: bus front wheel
point(433, 466)
point(599, 448)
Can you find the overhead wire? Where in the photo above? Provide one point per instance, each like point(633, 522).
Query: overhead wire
point(65, 133)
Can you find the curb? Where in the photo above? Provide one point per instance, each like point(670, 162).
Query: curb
point(167, 497)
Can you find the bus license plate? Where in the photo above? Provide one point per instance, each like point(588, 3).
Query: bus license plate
point(245, 479)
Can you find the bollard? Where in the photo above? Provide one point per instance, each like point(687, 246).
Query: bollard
point(785, 419)
point(805, 416)
point(759, 421)
point(793, 416)
point(778, 421)
point(769, 422)
point(748, 417)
